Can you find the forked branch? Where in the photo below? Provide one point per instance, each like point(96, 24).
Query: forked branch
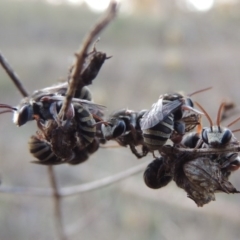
point(70, 191)
point(13, 76)
point(75, 77)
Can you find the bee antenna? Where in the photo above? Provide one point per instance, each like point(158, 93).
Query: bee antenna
point(199, 126)
point(199, 91)
point(236, 120)
point(219, 115)
point(236, 130)
point(6, 111)
point(206, 114)
point(10, 108)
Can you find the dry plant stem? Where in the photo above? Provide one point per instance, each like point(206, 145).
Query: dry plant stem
point(70, 191)
point(13, 76)
point(52, 177)
point(57, 204)
point(200, 152)
point(75, 79)
point(70, 93)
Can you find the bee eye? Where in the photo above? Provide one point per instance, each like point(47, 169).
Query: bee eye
point(226, 137)
point(24, 115)
point(189, 102)
point(179, 127)
point(178, 114)
point(205, 136)
point(119, 129)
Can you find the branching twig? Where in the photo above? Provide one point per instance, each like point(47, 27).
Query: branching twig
point(52, 177)
point(168, 150)
point(13, 76)
point(75, 78)
point(57, 204)
point(75, 82)
point(70, 191)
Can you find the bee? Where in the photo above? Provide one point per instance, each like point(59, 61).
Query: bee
point(33, 107)
point(41, 149)
point(71, 139)
point(78, 127)
point(42, 105)
point(157, 174)
point(124, 127)
point(71, 144)
point(216, 137)
point(166, 118)
point(202, 176)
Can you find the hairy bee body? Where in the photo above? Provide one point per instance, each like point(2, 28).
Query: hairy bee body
point(63, 143)
point(202, 176)
point(228, 162)
point(161, 126)
point(169, 118)
point(85, 124)
point(124, 127)
point(42, 150)
point(158, 174)
point(157, 136)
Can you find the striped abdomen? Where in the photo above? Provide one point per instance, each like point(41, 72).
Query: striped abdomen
point(85, 124)
point(83, 94)
point(157, 174)
point(41, 149)
point(157, 136)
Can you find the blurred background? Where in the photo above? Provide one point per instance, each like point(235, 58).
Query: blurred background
point(157, 46)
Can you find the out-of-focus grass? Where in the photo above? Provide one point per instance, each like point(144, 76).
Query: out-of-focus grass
point(151, 56)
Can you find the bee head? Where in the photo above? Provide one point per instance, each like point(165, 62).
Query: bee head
point(215, 135)
point(189, 102)
point(23, 114)
point(119, 128)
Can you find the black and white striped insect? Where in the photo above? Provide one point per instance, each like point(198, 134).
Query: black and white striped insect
point(166, 117)
point(124, 127)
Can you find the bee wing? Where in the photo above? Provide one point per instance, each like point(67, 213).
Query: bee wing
point(58, 89)
point(94, 108)
point(158, 112)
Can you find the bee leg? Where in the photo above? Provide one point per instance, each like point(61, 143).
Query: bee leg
point(53, 111)
point(135, 152)
point(231, 164)
point(157, 175)
point(154, 154)
point(144, 150)
point(40, 125)
point(69, 116)
point(199, 143)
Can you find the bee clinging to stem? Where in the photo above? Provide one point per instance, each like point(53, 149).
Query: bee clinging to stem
point(167, 117)
point(124, 127)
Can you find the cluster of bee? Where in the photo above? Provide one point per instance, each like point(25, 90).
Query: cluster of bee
point(74, 137)
point(173, 117)
point(70, 139)
point(200, 174)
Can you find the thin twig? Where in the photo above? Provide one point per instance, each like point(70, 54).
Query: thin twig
point(13, 76)
point(70, 93)
point(70, 191)
point(168, 150)
point(57, 204)
point(53, 182)
point(82, 53)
